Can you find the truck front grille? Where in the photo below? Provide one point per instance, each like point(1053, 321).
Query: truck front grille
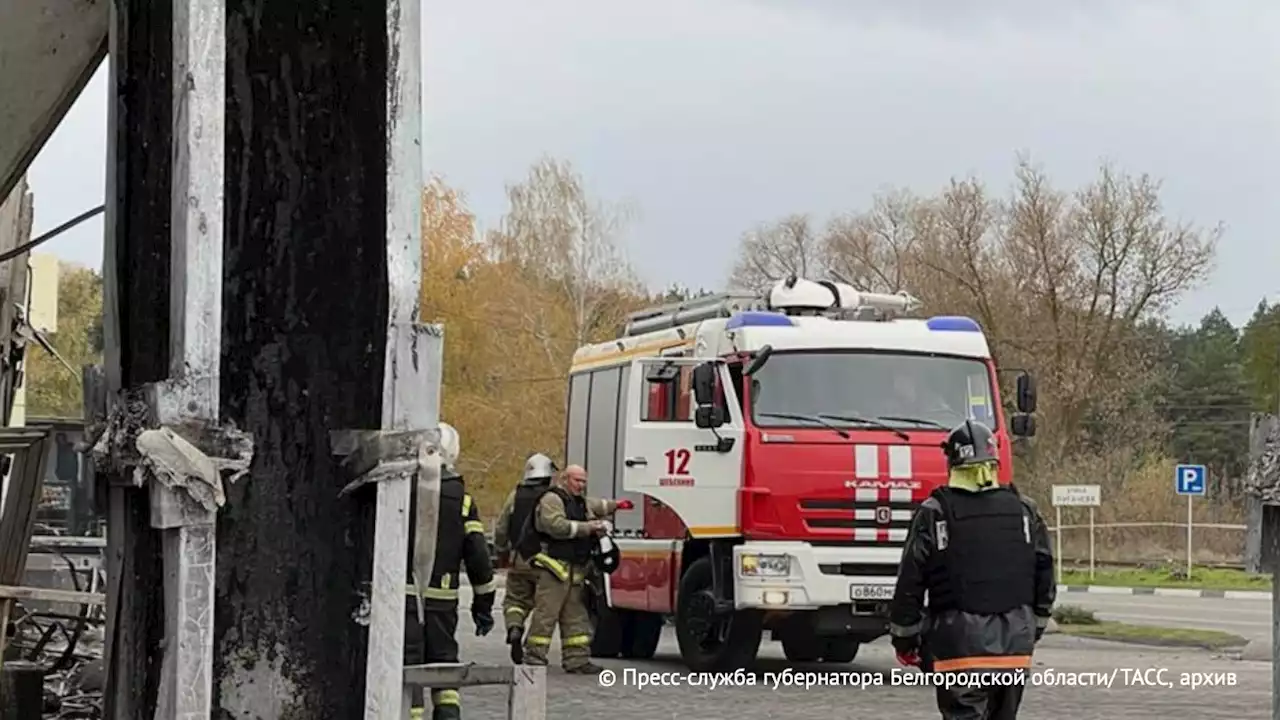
point(871, 518)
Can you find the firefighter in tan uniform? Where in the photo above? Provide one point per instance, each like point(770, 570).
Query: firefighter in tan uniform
point(558, 541)
point(430, 637)
point(522, 578)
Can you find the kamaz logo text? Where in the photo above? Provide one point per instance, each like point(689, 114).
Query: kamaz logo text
point(884, 484)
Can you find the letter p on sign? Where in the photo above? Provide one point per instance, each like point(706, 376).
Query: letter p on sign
point(1190, 480)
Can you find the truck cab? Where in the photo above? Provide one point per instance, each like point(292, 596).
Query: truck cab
point(776, 457)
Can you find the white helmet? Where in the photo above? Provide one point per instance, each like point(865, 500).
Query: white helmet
point(539, 466)
point(450, 444)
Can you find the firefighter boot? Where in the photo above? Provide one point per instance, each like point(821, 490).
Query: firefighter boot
point(445, 705)
point(515, 638)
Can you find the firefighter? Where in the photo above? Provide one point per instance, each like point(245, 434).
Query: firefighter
point(982, 555)
point(558, 540)
point(522, 580)
point(460, 541)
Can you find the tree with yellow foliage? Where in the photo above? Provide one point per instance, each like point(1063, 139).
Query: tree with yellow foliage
point(515, 306)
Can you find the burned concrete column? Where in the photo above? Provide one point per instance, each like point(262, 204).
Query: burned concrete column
point(322, 251)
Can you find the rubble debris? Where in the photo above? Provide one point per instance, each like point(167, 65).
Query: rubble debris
point(69, 646)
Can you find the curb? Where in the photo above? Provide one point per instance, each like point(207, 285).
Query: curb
point(1167, 592)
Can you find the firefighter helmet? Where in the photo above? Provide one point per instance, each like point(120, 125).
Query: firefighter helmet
point(539, 466)
point(450, 444)
point(606, 556)
point(970, 443)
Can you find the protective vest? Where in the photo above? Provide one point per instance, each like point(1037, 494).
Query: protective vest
point(459, 538)
point(986, 560)
point(527, 496)
point(575, 551)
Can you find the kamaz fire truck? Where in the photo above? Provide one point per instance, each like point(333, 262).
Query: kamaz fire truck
point(775, 449)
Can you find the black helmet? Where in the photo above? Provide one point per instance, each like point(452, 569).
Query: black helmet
point(606, 556)
point(970, 443)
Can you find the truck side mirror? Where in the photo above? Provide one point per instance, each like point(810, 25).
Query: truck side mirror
point(1023, 426)
point(704, 384)
point(708, 417)
point(1026, 394)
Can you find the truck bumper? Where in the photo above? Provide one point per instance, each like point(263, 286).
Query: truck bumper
point(817, 577)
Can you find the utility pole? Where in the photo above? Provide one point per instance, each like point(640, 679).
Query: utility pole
point(265, 160)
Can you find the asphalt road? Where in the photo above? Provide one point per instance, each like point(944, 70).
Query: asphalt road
point(1249, 619)
point(585, 697)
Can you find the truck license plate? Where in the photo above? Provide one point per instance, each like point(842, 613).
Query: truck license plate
point(870, 592)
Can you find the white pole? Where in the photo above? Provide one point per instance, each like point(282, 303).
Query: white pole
point(1090, 542)
point(1189, 516)
point(1059, 512)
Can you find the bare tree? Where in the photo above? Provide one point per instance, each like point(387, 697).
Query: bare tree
point(772, 252)
point(554, 232)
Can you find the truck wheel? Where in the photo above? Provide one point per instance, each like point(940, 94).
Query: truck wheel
point(646, 632)
point(802, 646)
point(840, 650)
point(606, 639)
point(709, 642)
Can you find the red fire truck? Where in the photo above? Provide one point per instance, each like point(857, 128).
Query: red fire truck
point(775, 449)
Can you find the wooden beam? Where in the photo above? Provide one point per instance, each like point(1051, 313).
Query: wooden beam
point(72, 597)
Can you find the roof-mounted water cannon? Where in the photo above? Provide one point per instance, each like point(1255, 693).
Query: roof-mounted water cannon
point(797, 296)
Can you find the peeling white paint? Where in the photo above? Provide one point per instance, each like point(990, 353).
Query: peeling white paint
point(256, 686)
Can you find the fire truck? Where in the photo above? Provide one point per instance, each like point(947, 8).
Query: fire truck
point(775, 448)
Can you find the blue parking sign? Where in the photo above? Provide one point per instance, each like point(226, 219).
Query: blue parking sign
point(1189, 479)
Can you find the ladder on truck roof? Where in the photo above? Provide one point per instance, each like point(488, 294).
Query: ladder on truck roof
point(671, 315)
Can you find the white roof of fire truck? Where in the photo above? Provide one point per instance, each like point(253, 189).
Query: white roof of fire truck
point(796, 314)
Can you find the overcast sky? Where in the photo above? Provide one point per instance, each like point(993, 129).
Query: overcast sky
point(712, 116)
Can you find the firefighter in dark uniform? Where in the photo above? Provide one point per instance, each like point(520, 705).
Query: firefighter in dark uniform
point(981, 553)
point(522, 579)
point(459, 540)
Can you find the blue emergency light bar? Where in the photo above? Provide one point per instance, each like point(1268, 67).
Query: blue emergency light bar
point(952, 323)
point(756, 318)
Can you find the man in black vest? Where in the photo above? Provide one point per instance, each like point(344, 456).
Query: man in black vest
point(982, 555)
point(558, 540)
point(522, 579)
point(459, 540)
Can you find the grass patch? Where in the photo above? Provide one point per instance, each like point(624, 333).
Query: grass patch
point(1074, 615)
point(1153, 635)
point(1167, 577)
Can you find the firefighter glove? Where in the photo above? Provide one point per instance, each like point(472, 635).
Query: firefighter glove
point(1039, 632)
point(483, 618)
point(625, 505)
point(907, 649)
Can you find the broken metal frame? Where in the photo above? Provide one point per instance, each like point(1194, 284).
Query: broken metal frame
point(30, 450)
point(526, 699)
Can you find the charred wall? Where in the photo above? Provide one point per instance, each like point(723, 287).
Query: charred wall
point(304, 334)
point(141, 247)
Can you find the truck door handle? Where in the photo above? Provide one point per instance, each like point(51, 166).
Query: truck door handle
point(636, 462)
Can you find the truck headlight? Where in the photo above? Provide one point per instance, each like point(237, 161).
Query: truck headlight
point(765, 565)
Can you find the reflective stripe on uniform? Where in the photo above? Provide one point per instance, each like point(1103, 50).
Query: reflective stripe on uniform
point(433, 593)
point(473, 526)
point(539, 640)
point(466, 505)
point(984, 662)
point(577, 641)
point(417, 713)
point(445, 697)
point(485, 589)
point(514, 609)
point(555, 567)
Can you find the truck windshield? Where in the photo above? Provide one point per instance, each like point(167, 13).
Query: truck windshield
point(857, 389)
